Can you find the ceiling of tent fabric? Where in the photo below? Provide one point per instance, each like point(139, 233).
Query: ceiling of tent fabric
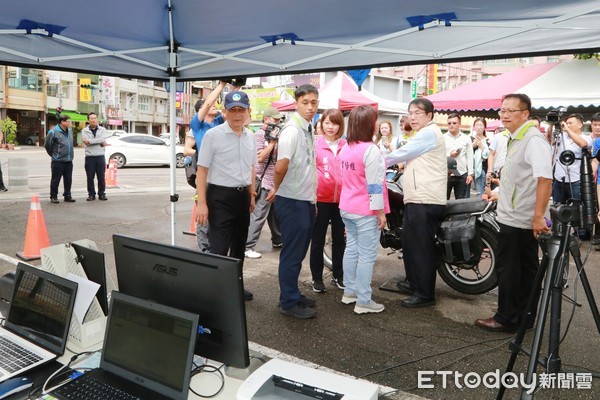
point(570, 84)
point(235, 38)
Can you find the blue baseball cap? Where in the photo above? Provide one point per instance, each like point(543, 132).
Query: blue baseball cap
point(237, 98)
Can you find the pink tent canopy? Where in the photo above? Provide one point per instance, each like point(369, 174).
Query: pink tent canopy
point(487, 94)
point(341, 92)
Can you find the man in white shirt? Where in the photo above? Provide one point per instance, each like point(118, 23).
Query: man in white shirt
point(459, 147)
point(295, 195)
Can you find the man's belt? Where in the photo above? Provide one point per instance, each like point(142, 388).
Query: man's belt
point(234, 188)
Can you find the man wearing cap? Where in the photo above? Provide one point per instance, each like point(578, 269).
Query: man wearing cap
point(207, 116)
point(295, 194)
point(225, 180)
point(266, 139)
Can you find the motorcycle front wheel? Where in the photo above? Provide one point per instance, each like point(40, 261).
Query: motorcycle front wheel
point(474, 279)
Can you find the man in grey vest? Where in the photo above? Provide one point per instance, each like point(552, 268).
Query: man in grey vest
point(525, 187)
point(93, 137)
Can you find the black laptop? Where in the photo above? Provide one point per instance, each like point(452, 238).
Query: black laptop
point(38, 321)
point(147, 354)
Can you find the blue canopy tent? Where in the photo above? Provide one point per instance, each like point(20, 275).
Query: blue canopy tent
point(178, 40)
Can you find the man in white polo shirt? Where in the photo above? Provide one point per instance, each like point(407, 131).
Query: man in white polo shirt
point(226, 163)
point(295, 195)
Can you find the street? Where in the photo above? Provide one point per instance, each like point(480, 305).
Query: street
point(388, 348)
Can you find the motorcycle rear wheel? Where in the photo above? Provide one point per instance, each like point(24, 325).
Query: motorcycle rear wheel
point(477, 279)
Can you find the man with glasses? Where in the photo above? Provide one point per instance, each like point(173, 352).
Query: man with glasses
point(425, 184)
point(59, 146)
point(226, 163)
point(459, 147)
point(526, 183)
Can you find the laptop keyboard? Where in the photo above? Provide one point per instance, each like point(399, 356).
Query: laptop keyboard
point(88, 387)
point(14, 357)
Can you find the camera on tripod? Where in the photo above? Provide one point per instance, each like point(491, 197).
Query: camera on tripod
point(554, 117)
point(582, 213)
point(272, 131)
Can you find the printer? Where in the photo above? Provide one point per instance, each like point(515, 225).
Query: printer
point(282, 380)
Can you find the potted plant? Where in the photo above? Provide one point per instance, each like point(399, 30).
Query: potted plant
point(9, 128)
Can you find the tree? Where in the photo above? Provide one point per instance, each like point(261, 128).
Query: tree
point(587, 56)
point(9, 128)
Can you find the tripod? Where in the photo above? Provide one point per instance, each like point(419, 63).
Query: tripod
point(555, 248)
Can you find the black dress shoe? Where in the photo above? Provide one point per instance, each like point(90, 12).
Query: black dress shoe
point(54, 200)
point(490, 324)
point(416, 302)
point(91, 198)
point(69, 199)
point(3, 189)
point(248, 295)
point(102, 197)
point(405, 287)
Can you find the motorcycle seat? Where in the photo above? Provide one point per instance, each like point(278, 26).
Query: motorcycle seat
point(464, 206)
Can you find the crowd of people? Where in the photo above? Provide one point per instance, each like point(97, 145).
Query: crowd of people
point(305, 176)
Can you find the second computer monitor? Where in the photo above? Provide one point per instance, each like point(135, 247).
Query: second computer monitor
point(206, 284)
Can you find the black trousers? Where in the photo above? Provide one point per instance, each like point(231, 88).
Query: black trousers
point(64, 170)
point(420, 224)
point(327, 212)
point(1, 181)
point(517, 265)
point(459, 183)
point(95, 167)
point(228, 219)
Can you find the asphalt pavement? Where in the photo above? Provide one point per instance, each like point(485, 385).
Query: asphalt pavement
point(391, 349)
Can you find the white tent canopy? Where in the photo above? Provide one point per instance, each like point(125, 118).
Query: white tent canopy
point(194, 39)
point(386, 105)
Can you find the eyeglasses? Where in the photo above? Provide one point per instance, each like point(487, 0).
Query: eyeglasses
point(508, 111)
point(416, 113)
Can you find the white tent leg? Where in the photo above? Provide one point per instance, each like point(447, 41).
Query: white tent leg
point(173, 168)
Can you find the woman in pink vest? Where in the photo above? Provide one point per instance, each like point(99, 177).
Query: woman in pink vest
point(363, 205)
point(329, 187)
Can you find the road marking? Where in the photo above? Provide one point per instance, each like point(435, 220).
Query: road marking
point(9, 259)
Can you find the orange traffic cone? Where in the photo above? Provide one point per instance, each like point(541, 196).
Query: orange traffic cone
point(36, 237)
point(110, 176)
point(192, 230)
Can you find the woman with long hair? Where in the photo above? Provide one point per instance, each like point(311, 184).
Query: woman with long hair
point(384, 138)
point(329, 186)
point(480, 153)
point(363, 205)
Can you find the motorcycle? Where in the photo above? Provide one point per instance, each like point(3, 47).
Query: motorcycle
point(467, 266)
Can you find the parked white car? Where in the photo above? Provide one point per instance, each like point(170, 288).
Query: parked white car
point(141, 149)
point(167, 137)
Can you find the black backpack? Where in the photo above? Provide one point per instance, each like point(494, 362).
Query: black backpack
point(190, 170)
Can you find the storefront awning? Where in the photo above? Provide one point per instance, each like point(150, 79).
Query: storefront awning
point(75, 116)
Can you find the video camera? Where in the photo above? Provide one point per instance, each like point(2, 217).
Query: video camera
point(272, 131)
point(236, 82)
point(581, 213)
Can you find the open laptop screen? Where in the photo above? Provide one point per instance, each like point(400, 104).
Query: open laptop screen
point(41, 307)
point(149, 344)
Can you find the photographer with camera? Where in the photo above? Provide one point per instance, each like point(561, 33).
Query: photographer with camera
point(266, 139)
point(523, 198)
point(569, 137)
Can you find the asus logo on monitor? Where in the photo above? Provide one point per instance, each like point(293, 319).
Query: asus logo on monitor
point(165, 270)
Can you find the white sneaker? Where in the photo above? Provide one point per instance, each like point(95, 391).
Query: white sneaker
point(252, 254)
point(349, 298)
point(370, 307)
